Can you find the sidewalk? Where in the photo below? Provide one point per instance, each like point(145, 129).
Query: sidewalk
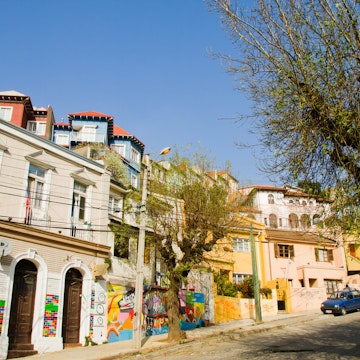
point(114, 351)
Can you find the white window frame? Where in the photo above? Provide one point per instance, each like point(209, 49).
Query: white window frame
point(88, 133)
point(134, 155)
point(78, 206)
point(36, 127)
point(238, 278)
point(241, 245)
point(62, 139)
point(115, 205)
point(134, 181)
point(36, 186)
point(6, 113)
point(119, 148)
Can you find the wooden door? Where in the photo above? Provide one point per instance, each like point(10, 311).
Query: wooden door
point(72, 307)
point(22, 303)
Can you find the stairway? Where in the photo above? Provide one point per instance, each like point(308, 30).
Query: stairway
point(21, 350)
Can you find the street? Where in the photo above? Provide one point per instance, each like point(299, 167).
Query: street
point(328, 337)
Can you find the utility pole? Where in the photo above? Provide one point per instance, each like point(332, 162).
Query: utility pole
point(140, 262)
point(258, 319)
point(140, 255)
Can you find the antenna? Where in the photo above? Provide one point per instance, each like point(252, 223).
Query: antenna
point(5, 247)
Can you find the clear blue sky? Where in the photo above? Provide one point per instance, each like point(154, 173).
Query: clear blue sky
point(145, 62)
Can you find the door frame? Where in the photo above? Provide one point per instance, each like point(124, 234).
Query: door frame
point(37, 326)
point(85, 299)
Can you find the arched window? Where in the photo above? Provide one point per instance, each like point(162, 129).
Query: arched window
point(293, 221)
point(273, 221)
point(316, 219)
point(305, 221)
point(271, 199)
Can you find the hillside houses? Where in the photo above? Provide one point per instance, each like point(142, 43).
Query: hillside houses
point(69, 219)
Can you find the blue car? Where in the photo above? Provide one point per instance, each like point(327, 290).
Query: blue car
point(342, 302)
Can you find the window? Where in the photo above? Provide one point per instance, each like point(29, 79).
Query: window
point(239, 278)
point(303, 203)
point(284, 251)
point(119, 148)
point(62, 139)
point(293, 221)
point(88, 133)
point(115, 205)
point(280, 222)
point(271, 199)
point(79, 201)
point(305, 221)
point(331, 285)
point(265, 221)
point(135, 156)
point(241, 245)
point(36, 180)
point(273, 221)
point(324, 255)
point(36, 127)
point(6, 112)
point(134, 181)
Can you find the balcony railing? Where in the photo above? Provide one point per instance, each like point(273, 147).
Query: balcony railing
point(87, 137)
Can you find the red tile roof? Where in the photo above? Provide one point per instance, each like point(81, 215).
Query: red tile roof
point(62, 123)
point(119, 131)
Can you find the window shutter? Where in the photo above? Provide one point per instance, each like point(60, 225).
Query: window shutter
point(317, 254)
point(291, 250)
point(330, 255)
point(276, 250)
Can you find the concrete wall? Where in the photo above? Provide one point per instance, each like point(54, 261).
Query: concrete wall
point(228, 308)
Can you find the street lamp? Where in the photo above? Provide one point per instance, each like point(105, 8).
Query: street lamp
point(140, 254)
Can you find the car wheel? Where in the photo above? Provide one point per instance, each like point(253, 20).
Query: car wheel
point(343, 311)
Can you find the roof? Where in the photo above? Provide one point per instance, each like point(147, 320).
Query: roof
point(90, 114)
point(12, 93)
point(118, 131)
point(297, 236)
point(62, 123)
point(121, 133)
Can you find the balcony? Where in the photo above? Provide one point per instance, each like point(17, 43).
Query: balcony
point(87, 137)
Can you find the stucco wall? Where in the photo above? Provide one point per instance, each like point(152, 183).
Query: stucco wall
point(229, 308)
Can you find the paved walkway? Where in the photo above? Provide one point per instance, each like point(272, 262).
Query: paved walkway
point(114, 351)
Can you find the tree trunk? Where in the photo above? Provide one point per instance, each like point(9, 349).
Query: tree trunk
point(175, 333)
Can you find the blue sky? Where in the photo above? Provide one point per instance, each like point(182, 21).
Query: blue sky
point(145, 62)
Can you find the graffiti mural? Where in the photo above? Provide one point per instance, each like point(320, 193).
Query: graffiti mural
point(192, 316)
point(155, 321)
point(154, 310)
point(120, 313)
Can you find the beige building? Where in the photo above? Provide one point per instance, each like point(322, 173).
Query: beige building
point(54, 242)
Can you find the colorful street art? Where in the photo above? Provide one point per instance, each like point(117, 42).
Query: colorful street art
point(51, 315)
point(193, 314)
point(155, 321)
point(120, 313)
point(154, 310)
point(2, 310)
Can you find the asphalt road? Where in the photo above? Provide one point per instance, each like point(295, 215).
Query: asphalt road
point(326, 337)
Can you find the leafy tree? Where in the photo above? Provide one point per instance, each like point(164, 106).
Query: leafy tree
point(299, 63)
point(189, 213)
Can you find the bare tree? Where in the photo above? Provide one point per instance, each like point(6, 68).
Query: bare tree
point(299, 61)
point(189, 213)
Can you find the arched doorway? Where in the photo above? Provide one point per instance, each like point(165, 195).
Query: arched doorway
point(22, 309)
point(72, 308)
